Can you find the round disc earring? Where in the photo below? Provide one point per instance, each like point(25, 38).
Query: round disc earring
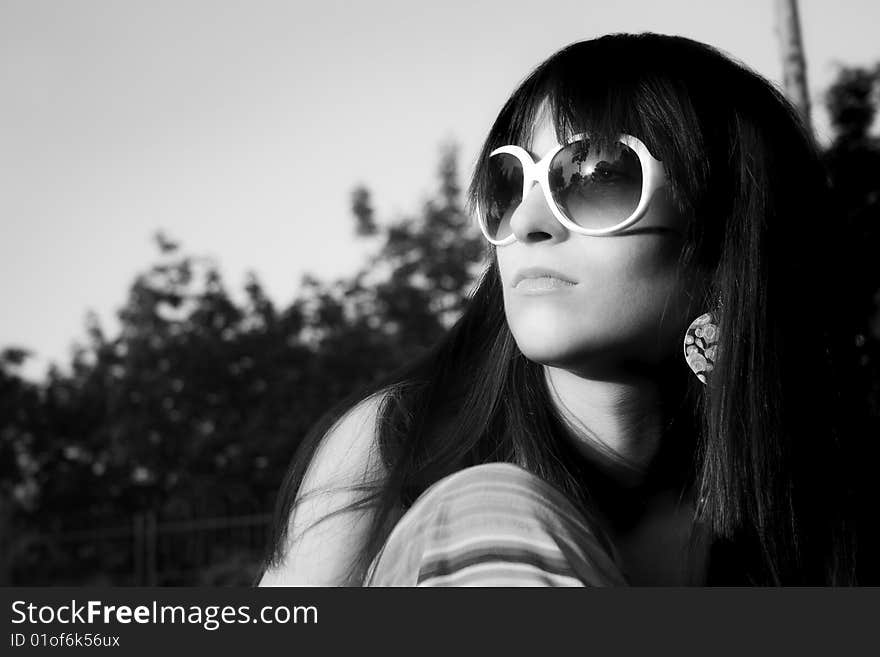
point(700, 345)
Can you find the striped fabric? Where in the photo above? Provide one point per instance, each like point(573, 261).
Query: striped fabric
point(494, 524)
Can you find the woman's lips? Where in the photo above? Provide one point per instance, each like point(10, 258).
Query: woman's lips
point(541, 278)
point(542, 284)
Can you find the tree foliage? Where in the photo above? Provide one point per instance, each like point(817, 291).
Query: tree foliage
point(853, 162)
point(195, 407)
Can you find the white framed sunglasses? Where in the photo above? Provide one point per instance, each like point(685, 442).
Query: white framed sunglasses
point(590, 191)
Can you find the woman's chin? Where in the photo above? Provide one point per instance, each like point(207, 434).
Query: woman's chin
point(575, 352)
point(549, 348)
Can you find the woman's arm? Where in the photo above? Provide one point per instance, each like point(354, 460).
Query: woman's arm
point(321, 554)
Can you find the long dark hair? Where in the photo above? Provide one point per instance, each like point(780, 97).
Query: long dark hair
point(760, 443)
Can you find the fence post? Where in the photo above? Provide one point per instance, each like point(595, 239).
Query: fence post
point(138, 549)
point(150, 543)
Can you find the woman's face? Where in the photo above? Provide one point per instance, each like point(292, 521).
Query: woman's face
point(627, 308)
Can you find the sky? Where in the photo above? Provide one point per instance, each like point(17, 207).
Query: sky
point(240, 128)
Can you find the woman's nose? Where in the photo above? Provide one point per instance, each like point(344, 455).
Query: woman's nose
point(533, 220)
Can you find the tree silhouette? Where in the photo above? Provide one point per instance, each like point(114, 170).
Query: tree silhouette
point(853, 161)
point(195, 407)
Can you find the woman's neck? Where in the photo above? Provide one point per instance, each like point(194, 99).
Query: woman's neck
point(616, 424)
point(639, 484)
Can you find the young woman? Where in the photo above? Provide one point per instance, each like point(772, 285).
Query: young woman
point(640, 390)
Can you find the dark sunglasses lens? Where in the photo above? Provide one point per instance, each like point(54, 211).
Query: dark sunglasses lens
point(596, 188)
point(505, 183)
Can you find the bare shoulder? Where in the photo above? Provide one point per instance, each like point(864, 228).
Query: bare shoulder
point(349, 453)
point(322, 544)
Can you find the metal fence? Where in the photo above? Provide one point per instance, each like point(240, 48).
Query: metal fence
point(218, 551)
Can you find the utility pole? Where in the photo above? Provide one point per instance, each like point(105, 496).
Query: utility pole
point(794, 67)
